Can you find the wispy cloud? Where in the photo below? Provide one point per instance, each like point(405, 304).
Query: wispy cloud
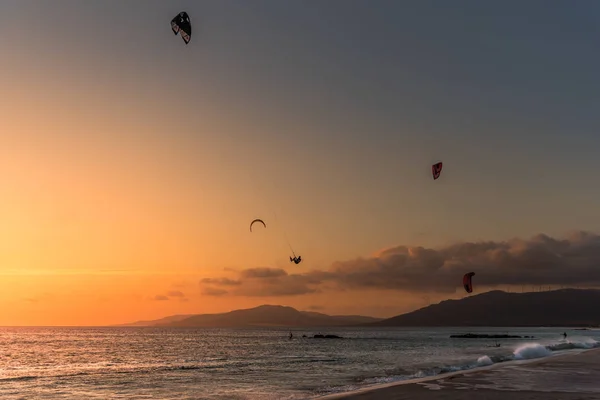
point(221, 281)
point(39, 298)
point(209, 291)
point(262, 273)
point(170, 294)
point(264, 282)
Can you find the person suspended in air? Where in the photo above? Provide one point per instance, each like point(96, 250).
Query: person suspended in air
point(296, 260)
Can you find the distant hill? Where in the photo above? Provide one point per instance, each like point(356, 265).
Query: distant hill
point(355, 319)
point(262, 316)
point(566, 307)
point(172, 318)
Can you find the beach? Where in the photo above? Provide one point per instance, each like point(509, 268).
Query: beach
point(567, 376)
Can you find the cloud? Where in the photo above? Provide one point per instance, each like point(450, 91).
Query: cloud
point(173, 293)
point(221, 281)
point(540, 260)
point(316, 308)
point(213, 292)
point(31, 300)
point(264, 282)
point(180, 284)
point(263, 273)
point(39, 298)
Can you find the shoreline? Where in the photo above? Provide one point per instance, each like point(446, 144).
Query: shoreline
point(451, 381)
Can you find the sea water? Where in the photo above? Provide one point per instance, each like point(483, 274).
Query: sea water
point(253, 364)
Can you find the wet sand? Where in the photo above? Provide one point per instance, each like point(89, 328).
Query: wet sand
point(562, 377)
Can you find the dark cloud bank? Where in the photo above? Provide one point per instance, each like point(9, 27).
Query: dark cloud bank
point(541, 260)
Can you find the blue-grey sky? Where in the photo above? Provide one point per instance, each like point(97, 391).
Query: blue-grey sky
point(329, 113)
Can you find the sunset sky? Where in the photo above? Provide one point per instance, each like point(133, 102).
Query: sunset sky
point(132, 164)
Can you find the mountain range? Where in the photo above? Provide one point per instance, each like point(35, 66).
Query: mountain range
point(265, 315)
point(565, 307)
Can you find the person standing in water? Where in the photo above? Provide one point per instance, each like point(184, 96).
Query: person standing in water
point(565, 335)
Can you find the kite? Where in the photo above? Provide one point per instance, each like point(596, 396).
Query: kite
point(436, 170)
point(181, 24)
point(467, 282)
point(257, 220)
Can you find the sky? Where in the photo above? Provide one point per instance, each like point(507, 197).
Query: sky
point(132, 164)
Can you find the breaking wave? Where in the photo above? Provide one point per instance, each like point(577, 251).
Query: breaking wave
point(527, 351)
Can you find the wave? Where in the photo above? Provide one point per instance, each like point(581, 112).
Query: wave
point(526, 351)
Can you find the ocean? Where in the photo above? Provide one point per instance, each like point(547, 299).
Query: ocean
point(252, 364)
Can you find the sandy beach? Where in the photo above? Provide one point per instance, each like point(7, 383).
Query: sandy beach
point(569, 376)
